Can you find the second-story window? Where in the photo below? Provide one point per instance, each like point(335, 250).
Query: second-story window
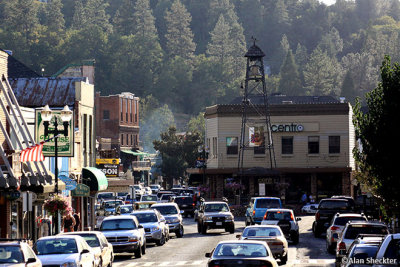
point(120, 109)
point(287, 145)
point(231, 145)
point(106, 114)
point(313, 145)
point(126, 110)
point(215, 147)
point(122, 139)
point(334, 144)
point(130, 109)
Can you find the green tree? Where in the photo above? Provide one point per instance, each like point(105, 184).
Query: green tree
point(348, 89)
point(124, 21)
point(377, 156)
point(321, 74)
point(143, 19)
point(54, 17)
point(197, 124)
point(79, 17)
point(179, 36)
point(290, 83)
point(95, 12)
point(279, 57)
point(331, 43)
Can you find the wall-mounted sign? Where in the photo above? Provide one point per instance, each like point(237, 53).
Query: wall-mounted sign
point(69, 183)
point(287, 127)
point(65, 144)
point(256, 136)
point(81, 190)
point(107, 161)
point(108, 166)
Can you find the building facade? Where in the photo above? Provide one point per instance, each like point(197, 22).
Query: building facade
point(312, 143)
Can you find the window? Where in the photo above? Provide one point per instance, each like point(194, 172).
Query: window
point(215, 147)
point(127, 139)
point(122, 139)
point(120, 109)
point(106, 114)
point(231, 145)
point(334, 144)
point(259, 150)
point(130, 109)
point(131, 139)
point(85, 132)
point(313, 144)
point(126, 110)
point(287, 145)
point(90, 133)
point(136, 111)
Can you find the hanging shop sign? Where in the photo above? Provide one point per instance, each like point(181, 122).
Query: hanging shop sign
point(108, 166)
point(107, 161)
point(81, 190)
point(256, 136)
point(69, 183)
point(65, 144)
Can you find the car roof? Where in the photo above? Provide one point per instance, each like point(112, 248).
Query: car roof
point(349, 215)
point(80, 232)
point(59, 237)
point(215, 202)
point(243, 241)
point(119, 217)
point(164, 204)
point(367, 222)
point(269, 210)
point(266, 198)
point(263, 226)
point(143, 211)
point(335, 199)
point(10, 243)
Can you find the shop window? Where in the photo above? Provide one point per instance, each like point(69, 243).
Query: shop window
point(231, 145)
point(106, 114)
point(313, 145)
point(215, 152)
point(334, 144)
point(127, 139)
point(287, 145)
point(122, 139)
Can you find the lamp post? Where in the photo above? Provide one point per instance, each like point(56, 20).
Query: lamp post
point(49, 116)
point(203, 155)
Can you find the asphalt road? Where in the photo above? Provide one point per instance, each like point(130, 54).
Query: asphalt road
point(190, 250)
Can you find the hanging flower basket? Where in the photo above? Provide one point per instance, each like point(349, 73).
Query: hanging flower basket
point(55, 204)
point(234, 186)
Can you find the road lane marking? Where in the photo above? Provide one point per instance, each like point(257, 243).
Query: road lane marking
point(197, 262)
point(165, 263)
point(179, 263)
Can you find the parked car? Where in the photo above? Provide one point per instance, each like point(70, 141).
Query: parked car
point(103, 250)
point(125, 234)
point(273, 235)
point(104, 195)
point(336, 227)
point(327, 208)
point(149, 198)
point(352, 230)
point(241, 253)
point(172, 215)
point(360, 253)
point(186, 204)
point(215, 215)
point(367, 204)
point(122, 195)
point(389, 251)
point(64, 250)
point(258, 206)
point(124, 209)
point(143, 205)
point(109, 207)
point(155, 226)
point(309, 208)
point(285, 219)
point(18, 254)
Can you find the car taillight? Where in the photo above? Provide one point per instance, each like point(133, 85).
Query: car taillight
point(291, 216)
point(194, 204)
point(342, 246)
point(265, 215)
point(334, 228)
point(317, 216)
point(254, 212)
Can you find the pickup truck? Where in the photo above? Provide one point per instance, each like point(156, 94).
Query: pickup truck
point(327, 208)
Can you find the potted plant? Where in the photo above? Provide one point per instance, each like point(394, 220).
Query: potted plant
point(56, 204)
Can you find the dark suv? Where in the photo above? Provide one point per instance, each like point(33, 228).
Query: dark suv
point(327, 208)
point(215, 215)
point(186, 204)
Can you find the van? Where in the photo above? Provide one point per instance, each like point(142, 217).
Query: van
point(258, 206)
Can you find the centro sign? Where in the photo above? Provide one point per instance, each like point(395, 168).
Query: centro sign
point(287, 127)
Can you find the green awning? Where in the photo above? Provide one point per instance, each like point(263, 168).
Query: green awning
point(94, 178)
point(135, 153)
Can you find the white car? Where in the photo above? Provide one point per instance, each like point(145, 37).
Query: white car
point(286, 220)
point(309, 208)
point(64, 250)
point(139, 189)
point(389, 251)
point(97, 241)
point(147, 190)
point(18, 254)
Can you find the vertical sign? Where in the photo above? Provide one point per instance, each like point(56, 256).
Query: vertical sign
point(65, 144)
point(261, 189)
point(256, 136)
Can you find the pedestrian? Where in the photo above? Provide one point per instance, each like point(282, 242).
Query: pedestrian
point(304, 198)
point(77, 221)
point(311, 199)
point(68, 222)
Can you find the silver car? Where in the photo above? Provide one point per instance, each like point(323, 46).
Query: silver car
point(154, 224)
point(172, 215)
point(336, 227)
point(125, 234)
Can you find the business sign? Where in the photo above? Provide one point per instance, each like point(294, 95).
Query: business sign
point(69, 183)
point(81, 190)
point(65, 144)
point(108, 166)
point(287, 127)
point(256, 136)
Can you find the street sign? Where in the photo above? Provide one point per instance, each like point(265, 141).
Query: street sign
point(69, 183)
point(81, 190)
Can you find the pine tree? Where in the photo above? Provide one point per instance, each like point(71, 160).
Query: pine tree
point(95, 11)
point(54, 16)
point(279, 56)
point(290, 83)
point(143, 19)
point(79, 18)
point(123, 20)
point(348, 89)
point(21, 16)
point(331, 43)
point(179, 35)
point(221, 46)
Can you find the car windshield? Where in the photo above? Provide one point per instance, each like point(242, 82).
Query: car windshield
point(122, 194)
point(153, 186)
point(261, 232)
point(268, 203)
point(240, 250)
point(91, 239)
point(279, 215)
point(344, 220)
point(11, 254)
point(183, 200)
point(56, 246)
point(216, 207)
point(126, 209)
point(146, 217)
point(354, 230)
point(105, 196)
point(137, 187)
point(118, 224)
point(111, 204)
point(331, 204)
point(149, 198)
point(364, 252)
point(166, 197)
point(166, 210)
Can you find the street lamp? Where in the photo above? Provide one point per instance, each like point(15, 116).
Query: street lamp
point(203, 151)
point(49, 116)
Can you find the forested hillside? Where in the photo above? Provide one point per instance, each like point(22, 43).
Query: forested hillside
point(189, 53)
